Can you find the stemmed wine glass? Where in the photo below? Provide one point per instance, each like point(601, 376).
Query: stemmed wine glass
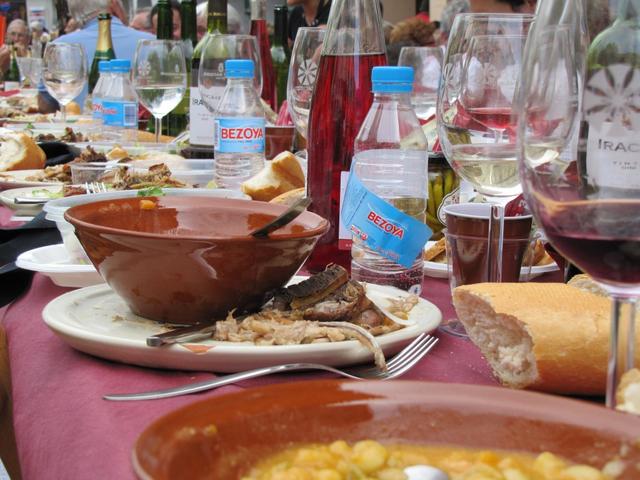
point(64, 71)
point(586, 194)
point(303, 71)
point(159, 77)
point(211, 77)
point(31, 69)
point(427, 65)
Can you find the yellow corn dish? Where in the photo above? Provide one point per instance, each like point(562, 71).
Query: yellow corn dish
point(370, 460)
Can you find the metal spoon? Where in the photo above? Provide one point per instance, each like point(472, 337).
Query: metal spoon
point(292, 212)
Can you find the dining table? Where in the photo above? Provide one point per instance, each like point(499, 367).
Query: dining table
point(63, 427)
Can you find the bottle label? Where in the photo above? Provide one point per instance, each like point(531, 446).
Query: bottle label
point(613, 157)
point(200, 120)
point(120, 114)
point(96, 108)
point(8, 85)
point(239, 135)
point(382, 227)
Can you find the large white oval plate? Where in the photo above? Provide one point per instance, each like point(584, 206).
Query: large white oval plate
point(97, 321)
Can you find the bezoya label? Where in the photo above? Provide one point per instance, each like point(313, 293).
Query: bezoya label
point(239, 135)
point(120, 114)
point(612, 110)
point(382, 227)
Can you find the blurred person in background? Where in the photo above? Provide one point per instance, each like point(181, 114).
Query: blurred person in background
point(235, 21)
point(453, 8)
point(412, 32)
point(141, 20)
point(307, 13)
point(85, 12)
point(18, 35)
point(175, 8)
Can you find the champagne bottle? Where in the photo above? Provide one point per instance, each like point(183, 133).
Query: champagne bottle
point(178, 119)
point(611, 82)
point(200, 118)
point(280, 53)
point(12, 78)
point(259, 30)
point(104, 48)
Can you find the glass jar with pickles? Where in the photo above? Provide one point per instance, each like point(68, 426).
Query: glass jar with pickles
point(444, 189)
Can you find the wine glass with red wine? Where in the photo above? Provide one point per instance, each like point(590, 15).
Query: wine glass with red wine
point(586, 193)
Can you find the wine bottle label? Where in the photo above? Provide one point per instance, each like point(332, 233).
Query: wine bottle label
point(200, 119)
point(120, 113)
point(382, 227)
point(613, 157)
point(239, 135)
point(8, 85)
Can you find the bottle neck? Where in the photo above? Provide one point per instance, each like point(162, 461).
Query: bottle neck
point(188, 25)
point(387, 97)
point(280, 27)
point(165, 21)
point(104, 34)
point(258, 9)
point(217, 16)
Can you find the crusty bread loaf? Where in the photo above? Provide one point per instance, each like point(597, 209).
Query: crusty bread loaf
point(290, 197)
point(628, 394)
point(18, 151)
point(279, 176)
point(544, 336)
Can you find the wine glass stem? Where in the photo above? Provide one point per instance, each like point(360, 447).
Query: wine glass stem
point(622, 344)
point(158, 128)
point(63, 112)
point(495, 240)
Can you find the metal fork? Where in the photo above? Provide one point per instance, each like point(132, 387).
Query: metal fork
point(398, 365)
point(95, 187)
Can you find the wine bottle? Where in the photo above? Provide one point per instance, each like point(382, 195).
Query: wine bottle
point(611, 83)
point(104, 48)
point(164, 30)
point(12, 78)
point(178, 119)
point(353, 45)
point(259, 30)
point(200, 118)
point(280, 54)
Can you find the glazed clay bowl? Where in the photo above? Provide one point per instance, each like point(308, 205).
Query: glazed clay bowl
point(190, 259)
point(223, 436)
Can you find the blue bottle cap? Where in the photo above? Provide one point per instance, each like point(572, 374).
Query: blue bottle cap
point(392, 79)
point(241, 68)
point(104, 66)
point(122, 66)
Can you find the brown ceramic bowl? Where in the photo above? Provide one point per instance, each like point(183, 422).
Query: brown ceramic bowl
point(190, 259)
point(257, 422)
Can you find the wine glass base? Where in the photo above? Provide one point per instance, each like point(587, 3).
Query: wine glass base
point(455, 328)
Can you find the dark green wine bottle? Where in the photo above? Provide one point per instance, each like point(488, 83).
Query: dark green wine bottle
point(200, 118)
point(104, 48)
point(164, 30)
point(280, 53)
point(12, 78)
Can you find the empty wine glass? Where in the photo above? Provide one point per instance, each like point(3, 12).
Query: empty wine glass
point(427, 65)
point(159, 77)
point(303, 71)
point(580, 74)
point(218, 49)
point(31, 69)
point(64, 71)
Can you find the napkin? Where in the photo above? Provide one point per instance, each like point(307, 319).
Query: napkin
point(14, 241)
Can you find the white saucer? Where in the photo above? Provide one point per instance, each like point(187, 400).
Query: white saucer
point(53, 261)
point(97, 321)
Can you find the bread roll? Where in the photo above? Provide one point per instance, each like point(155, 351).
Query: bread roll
point(628, 394)
point(279, 176)
point(544, 336)
point(73, 108)
point(18, 151)
point(290, 197)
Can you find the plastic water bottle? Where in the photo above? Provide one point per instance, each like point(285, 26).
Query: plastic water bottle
point(239, 127)
point(390, 161)
point(120, 103)
point(104, 68)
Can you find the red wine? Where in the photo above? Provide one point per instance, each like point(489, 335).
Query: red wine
point(601, 237)
point(341, 100)
point(269, 93)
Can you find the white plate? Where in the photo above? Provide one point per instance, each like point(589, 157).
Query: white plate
point(7, 197)
point(439, 270)
point(53, 261)
point(16, 179)
point(95, 320)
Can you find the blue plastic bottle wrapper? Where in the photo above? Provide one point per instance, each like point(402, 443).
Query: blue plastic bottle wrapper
point(381, 226)
point(239, 135)
point(120, 113)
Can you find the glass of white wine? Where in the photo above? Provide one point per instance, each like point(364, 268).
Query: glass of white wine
point(159, 77)
point(64, 72)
